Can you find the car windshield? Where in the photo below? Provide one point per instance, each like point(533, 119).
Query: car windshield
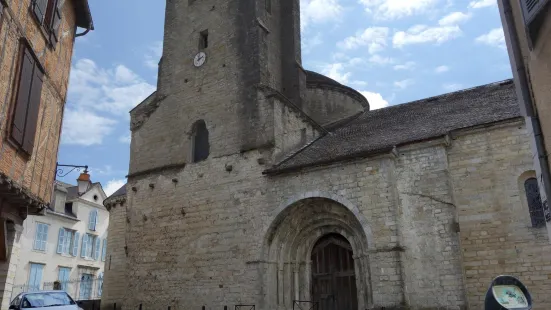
point(47, 300)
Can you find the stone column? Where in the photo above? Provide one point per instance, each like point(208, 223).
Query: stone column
point(11, 233)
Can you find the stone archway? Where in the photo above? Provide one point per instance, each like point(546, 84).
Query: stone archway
point(291, 240)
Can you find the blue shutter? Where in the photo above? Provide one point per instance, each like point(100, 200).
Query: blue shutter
point(84, 245)
point(60, 240)
point(104, 250)
point(36, 245)
point(44, 236)
point(64, 277)
point(96, 219)
point(35, 277)
point(97, 248)
point(93, 220)
point(100, 284)
point(76, 239)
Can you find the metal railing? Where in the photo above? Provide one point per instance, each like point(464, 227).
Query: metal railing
point(84, 288)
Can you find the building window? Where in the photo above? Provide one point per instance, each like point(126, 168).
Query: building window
point(100, 284)
point(67, 242)
point(204, 39)
point(69, 209)
point(535, 205)
point(93, 220)
point(63, 277)
point(200, 141)
point(91, 246)
point(86, 281)
point(48, 15)
point(35, 277)
point(534, 12)
point(27, 103)
point(41, 237)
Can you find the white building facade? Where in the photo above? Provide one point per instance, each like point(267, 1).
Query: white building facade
point(67, 245)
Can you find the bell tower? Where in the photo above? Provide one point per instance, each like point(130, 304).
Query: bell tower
point(222, 60)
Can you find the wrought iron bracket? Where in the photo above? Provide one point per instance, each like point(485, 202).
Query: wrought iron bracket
point(60, 169)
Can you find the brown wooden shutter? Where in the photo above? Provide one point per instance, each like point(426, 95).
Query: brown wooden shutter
point(39, 9)
point(56, 23)
point(32, 111)
point(23, 94)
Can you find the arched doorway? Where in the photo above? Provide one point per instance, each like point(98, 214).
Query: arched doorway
point(333, 274)
point(299, 231)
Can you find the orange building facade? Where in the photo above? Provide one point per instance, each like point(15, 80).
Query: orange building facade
point(36, 48)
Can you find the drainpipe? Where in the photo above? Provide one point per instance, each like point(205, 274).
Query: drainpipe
point(523, 88)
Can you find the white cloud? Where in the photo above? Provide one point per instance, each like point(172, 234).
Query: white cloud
point(424, 34)
point(442, 69)
point(375, 38)
point(125, 138)
point(336, 71)
point(359, 83)
point(319, 11)
point(379, 60)
point(478, 4)
point(376, 100)
point(82, 127)
point(394, 9)
point(452, 86)
point(493, 38)
point(112, 186)
point(403, 84)
point(310, 42)
point(115, 90)
point(454, 18)
point(406, 66)
point(153, 55)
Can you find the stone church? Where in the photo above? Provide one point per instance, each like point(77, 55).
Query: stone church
point(253, 181)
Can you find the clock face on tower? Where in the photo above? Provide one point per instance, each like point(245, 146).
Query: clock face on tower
point(199, 59)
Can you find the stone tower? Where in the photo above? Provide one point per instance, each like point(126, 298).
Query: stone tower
point(227, 105)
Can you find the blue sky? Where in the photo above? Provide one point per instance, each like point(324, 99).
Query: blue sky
point(393, 51)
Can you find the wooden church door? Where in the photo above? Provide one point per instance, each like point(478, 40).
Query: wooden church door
point(333, 274)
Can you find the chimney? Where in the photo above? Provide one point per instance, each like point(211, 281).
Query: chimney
point(83, 182)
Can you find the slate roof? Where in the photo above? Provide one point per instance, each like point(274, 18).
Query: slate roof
point(72, 190)
point(380, 130)
point(120, 192)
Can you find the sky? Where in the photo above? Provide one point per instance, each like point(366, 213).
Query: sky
point(392, 51)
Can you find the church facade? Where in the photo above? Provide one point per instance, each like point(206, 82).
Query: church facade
point(254, 181)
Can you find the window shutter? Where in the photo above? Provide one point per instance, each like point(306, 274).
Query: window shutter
point(39, 9)
point(104, 250)
point(56, 23)
point(75, 243)
point(60, 240)
point(95, 219)
point(37, 238)
point(44, 236)
point(97, 248)
point(23, 97)
point(100, 284)
point(92, 220)
point(32, 111)
point(84, 245)
point(531, 8)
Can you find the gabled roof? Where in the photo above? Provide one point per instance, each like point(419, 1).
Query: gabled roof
point(381, 130)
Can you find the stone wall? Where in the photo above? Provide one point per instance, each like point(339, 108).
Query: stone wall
point(115, 269)
point(488, 170)
point(200, 235)
point(37, 172)
point(330, 104)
